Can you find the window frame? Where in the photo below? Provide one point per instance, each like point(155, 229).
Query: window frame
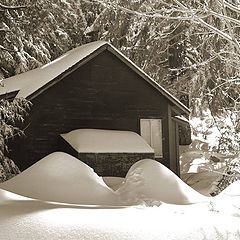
point(151, 135)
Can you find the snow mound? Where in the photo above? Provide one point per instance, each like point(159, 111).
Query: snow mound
point(203, 182)
point(149, 182)
point(105, 141)
point(60, 177)
point(26, 218)
point(231, 195)
point(113, 182)
point(6, 196)
point(232, 190)
point(228, 201)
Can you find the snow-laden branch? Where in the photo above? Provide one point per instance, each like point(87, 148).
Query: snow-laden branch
point(220, 33)
point(226, 82)
point(152, 14)
point(6, 49)
point(6, 7)
point(221, 16)
point(180, 4)
point(189, 14)
point(231, 6)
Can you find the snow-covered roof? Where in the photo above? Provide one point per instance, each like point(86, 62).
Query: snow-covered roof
point(106, 141)
point(29, 82)
point(181, 119)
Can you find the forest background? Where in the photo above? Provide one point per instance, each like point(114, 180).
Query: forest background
point(191, 47)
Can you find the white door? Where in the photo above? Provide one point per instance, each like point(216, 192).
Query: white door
point(151, 131)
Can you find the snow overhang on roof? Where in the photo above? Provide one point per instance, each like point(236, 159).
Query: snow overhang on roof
point(106, 141)
point(32, 83)
point(181, 119)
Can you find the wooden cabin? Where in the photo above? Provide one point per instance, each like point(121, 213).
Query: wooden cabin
point(94, 87)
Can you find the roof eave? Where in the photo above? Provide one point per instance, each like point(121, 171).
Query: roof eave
point(67, 72)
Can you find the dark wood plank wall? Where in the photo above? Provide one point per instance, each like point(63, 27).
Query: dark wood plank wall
point(104, 93)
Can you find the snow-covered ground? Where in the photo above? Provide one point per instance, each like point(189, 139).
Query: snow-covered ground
point(24, 218)
point(201, 168)
point(101, 213)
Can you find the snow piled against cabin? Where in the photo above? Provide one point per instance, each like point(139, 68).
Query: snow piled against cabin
point(67, 200)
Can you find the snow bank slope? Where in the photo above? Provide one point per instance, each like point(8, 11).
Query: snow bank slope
point(232, 190)
point(230, 197)
point(106, 141)
point(62, 178)
point(149, 181)
point(24, 218)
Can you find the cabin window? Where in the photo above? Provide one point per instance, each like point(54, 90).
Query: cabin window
point(151, 131)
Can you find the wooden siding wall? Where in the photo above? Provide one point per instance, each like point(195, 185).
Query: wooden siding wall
point(104, 93)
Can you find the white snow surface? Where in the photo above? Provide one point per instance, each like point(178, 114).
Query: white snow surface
point(149, 182)
point(202, 182)
point(60, 177)
point(106, 141)
point(113, 182)
point(25, 218)
point(232, 190)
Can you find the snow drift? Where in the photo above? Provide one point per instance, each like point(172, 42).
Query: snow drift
point(233, 190)
point(148, 181)
point(106, 141)
point(26, 218)
point(229, 198)
point(60, 177)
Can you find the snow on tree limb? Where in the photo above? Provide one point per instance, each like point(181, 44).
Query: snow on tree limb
point(6, 49)
point(232, 6)
point(187, 14)
point(221, 16)
point(6, 7)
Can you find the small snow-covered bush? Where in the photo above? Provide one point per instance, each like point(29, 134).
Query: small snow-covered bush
point(220, 132)
point(12, 114)
point(230, 175)
point(8, 169)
